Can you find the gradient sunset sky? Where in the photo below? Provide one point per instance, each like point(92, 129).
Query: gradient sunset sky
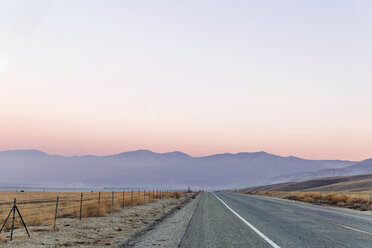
point(202, 77)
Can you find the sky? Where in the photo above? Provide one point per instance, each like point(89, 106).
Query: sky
point(203, 77)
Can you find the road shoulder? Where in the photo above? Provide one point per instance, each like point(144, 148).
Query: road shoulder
point(169, 232)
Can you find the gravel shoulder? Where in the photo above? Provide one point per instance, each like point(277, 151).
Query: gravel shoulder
point(169, 233)
point(112, 230)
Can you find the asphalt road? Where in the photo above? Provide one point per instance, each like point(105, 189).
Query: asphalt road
point(237, 220)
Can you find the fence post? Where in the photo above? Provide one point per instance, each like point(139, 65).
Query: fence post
point(149, 196)
point(99, 199)
point(81, 205)
point(359, 196)
point(131, 199)
point(144, 196)
point(112, 200)
point(123, 197)
point(56, 214)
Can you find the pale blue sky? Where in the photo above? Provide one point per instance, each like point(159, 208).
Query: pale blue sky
point(288, 77)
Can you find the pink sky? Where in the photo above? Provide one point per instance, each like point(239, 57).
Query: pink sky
point(244, 77)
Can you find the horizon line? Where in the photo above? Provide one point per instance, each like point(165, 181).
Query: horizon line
point(162, 153)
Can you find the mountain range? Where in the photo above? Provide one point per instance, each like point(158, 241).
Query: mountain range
point(146, 169)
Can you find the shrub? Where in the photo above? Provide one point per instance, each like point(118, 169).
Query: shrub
point(352, 200)
point(336, 198)
point(308, 199)
point(177, 195)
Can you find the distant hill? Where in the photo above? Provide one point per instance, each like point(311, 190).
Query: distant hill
point(345, 183)
point(145, 168)
point(363, 167)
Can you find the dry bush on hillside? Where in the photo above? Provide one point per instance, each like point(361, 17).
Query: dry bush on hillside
point(337, 199)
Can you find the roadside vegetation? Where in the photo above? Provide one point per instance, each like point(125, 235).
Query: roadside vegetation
point(354, 200)
point(41, 208)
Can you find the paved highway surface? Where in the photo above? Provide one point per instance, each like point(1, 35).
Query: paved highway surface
point(237, 220)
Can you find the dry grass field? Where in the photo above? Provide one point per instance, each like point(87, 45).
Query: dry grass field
point(39, 208)
point(356, 183)
point(355, 200)
point(344, 191)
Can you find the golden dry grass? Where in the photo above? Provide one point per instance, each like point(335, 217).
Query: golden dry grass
point(38, 208)
point(355, 200)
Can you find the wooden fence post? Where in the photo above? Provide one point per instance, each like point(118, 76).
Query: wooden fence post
point(56, 214)
point(123, 197)
point(81, 205)
point(131, 199)
point(144, 196)
point(99, 199)
point(112, 200)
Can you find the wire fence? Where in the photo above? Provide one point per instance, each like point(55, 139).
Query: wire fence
point(44, 208)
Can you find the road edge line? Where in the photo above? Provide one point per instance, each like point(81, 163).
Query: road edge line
point(249, 224)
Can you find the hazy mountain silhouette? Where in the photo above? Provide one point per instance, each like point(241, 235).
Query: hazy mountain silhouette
point(359, 168)
point(144, 168)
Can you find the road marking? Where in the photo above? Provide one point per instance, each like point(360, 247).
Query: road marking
point(323, 221)
point(287, 210)
point(250, 225)
point(354, 229)
point(309, 205)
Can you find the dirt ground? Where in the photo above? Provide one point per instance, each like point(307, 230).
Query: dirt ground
point(112, 230)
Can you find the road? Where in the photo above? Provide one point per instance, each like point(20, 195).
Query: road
point(237, 220)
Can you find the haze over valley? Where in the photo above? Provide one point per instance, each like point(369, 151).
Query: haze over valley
point(143, 168)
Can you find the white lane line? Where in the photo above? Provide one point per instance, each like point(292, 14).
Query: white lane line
point(290, 211)
point(354, 229)
point(329, 223)
point(250, 225)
